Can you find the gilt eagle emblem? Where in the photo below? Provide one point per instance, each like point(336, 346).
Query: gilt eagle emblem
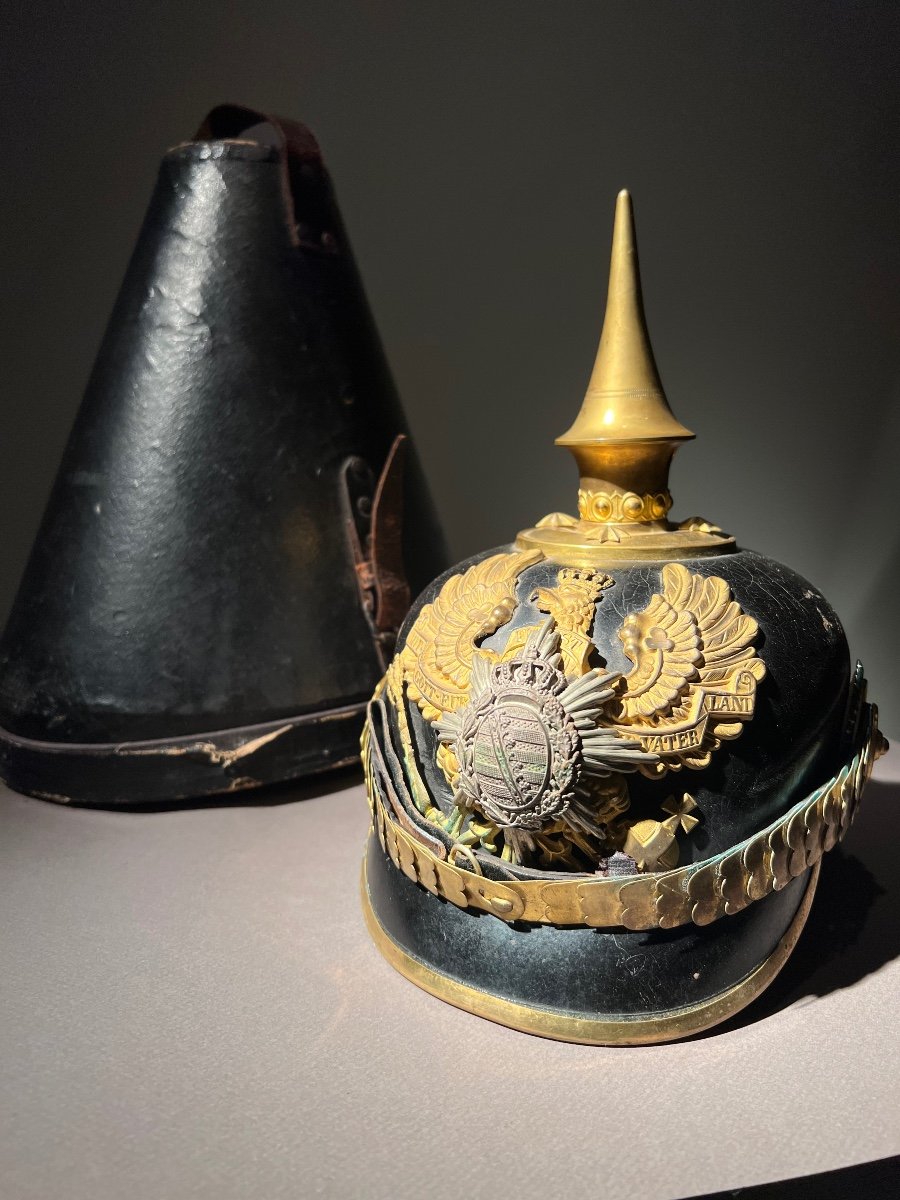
point(536, 740)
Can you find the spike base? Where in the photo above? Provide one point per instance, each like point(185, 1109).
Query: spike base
point(578, 543)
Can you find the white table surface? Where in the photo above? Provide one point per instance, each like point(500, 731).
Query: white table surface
point(190, 1007)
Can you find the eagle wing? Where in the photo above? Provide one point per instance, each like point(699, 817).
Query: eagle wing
point(663, 641)
point(441, 644)
point(690, 641)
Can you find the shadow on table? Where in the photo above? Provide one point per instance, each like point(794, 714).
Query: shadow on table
point(873, 1181)
point(854, 924)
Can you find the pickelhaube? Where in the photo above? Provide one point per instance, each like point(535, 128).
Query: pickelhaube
point(238, 521)
point(607, 758)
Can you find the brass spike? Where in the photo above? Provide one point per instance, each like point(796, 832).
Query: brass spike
point(623, 440)
point(625, 435)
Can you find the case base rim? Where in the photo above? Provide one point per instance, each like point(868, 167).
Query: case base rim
point(123, 774)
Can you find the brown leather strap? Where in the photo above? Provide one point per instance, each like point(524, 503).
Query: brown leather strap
point(386, 543)
point(374, 530)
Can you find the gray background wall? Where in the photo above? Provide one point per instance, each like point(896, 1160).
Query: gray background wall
point(477, 150)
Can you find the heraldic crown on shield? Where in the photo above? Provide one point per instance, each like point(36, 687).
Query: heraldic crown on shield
point(606, 760)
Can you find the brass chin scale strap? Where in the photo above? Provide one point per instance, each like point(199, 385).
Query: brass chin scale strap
point(698, 892)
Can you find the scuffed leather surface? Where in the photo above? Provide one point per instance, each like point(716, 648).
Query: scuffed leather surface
point(581, 971)
point(191, 571)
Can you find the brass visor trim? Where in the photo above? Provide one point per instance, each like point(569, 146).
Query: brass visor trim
point(591, 1031)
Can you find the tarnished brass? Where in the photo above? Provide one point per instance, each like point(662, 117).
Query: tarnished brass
point(437, 657)
point(681, 702)
point(623, 440)
point(625, 404)
point(652, 844)
point(571, 605)
point(675, 706)
point(697, 893)
point(611, 508)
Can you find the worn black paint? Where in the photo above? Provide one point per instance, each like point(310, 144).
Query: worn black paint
point(577, 970)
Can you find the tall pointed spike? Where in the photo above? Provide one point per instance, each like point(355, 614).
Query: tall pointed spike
point(625, 434)
point(625, 399)
point(624, 357)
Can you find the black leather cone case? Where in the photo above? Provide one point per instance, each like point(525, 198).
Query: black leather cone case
point(220, 570)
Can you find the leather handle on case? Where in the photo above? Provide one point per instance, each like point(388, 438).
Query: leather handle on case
point(386, 544)
point(375, 535)
point(298, 146)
